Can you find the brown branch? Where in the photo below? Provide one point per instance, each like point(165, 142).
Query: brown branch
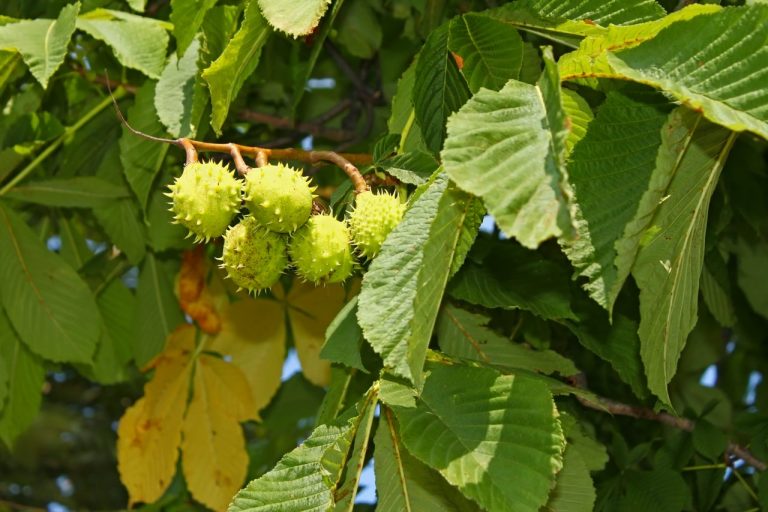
point(621, 409)
point(240, 165)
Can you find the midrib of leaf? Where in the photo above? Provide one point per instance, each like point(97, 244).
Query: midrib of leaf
point(467, 335)
point(398, 458)
point(29, 277)
point(68, 232)
point(156, 290)
point(488, 67)
point(678, 268)
point(45, 44)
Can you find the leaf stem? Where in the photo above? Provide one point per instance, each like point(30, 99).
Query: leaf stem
point(68, 132)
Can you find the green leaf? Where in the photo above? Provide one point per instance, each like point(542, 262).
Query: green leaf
point(346, 490)
point(590, 61)
point(120, 31)
point(508, 147)
point(491, 51)
point(609, 181)
point(579, 116)
point(74, 249)
point(117, 305)
point(669, 263)
point(24, 375)
point(359, 30)
point(513, 277)
point(404, 285)
point(753, 263)
point(438, 88)
point(467, 335)
point(226, 75)
point(733, 40)
point(297, 18)
point(137, 5)
point(141, 158)
point(163, 233)
point(41, 43)
point(78, 192)
point(613, 341)
point(413, 167)
point(49, 305)
point(121, 220)
point(179, 96)
point(305, 478)
point(661, 490)
point(157, 310)
point(403, 483)
point(602, 12)
point(344, 338)
point(716, 288)
point(574, 490)
point(496, 437)
point(187, 17)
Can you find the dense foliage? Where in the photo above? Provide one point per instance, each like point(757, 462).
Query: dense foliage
point(570, 315)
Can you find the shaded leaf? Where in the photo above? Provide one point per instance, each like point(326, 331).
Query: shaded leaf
point(47, 302)
point(344, 338)
point(467, 335)
point(21, 376)
point(574, 490)
point(78, 192)
point(187, 17)
point(438, 88)
point(669, 263)
point(157, 311)
point(491, 51)
point(512, 277)
point(609, 181)
point(141, 158)
point(42, 43)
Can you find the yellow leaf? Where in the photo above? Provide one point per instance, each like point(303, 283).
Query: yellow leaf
point(150, 431)
point(252, 337)
point(214, 459)
point(311, 310)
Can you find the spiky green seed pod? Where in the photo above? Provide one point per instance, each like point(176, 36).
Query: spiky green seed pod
point(374, 217)
point(320, 250)
point(254, 257)
point(205, 198)
point(279, 197)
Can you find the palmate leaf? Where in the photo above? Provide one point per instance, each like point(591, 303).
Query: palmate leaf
point(508, 147)
point(226, 75)
point(404, 483)
point(404, 285)
point(609, 180)
point(669, 264)
point(21, 383)
point(296, 18)
point(438, 88)
point(590, 61)
point(187, 17)
point(180, 97)
point(497, 438)
point(141, 159)
point(491, 52)
point(305, 479)
point(466, 335)
point(41, 43)
point(77, 192)
point(119, 30)
point(49, 305)
point(714, 63)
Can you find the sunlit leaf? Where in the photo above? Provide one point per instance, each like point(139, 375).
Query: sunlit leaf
point(296, 18)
